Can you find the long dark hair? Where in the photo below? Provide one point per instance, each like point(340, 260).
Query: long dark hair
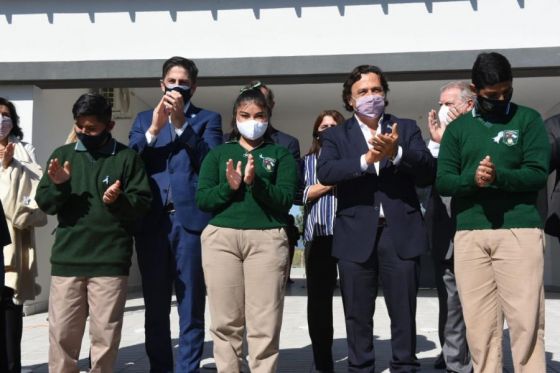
point(16, 129)
point(247, 96)
point(315, 144)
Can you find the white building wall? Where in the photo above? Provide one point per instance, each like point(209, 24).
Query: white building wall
point(84, 30)
point(81, 30)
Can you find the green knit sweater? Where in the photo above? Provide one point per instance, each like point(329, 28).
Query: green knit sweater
point(520, 152)
point(263, 205)
point(94, 239)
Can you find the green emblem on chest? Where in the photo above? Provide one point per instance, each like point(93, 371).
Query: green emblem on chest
point(268, 163)
point(508, 137)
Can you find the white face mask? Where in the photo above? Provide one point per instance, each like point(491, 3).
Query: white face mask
point(5, 126)
point(442, 115)
point(252, 129)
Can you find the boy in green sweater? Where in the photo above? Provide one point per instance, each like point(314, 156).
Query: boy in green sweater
point(493, 161)
point(97, 187)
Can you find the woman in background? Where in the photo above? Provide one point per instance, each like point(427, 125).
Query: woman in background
point(19, 176)
point(320, 267)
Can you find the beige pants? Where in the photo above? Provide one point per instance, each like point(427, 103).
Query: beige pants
point(245, 273)
point(502, 269)
point(71, 300)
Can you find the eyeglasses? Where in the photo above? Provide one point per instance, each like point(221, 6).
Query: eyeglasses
point(255, 85)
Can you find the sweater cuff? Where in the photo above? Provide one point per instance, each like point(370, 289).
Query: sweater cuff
point(467, 179)
point(63, 188)
point(225, 191)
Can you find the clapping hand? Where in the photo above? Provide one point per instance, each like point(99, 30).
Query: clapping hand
point(175, 107)
point(435, 127)
point(159, 118)
point(485, 173)
point(233, 176)
point(249, 170)
point(7, 154)
point(112, 193)
point(387, 144)
point(57, 173)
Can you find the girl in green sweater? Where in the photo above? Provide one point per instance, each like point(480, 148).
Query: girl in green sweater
point(249, 184)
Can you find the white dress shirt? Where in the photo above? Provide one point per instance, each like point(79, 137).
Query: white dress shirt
point(363, 164)
point(433, 147)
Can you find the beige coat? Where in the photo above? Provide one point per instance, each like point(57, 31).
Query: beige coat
point(18, 184)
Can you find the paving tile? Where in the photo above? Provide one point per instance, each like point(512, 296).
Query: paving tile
point(295, 355)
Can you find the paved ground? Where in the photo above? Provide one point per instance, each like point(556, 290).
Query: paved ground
point(295, 355)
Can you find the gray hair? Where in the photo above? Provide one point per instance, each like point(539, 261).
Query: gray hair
point(464, 88)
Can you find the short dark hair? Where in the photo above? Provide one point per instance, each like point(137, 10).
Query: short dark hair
point(93, 104)
point(185, 63)
point(315, 144)
point(250, 95)
point(16, 129)
point(490, 69)
point(356, 75)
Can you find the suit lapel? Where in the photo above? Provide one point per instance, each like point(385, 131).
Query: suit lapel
point(191, 114)
point(167, 136)
point(356, 137)
point(385, 130)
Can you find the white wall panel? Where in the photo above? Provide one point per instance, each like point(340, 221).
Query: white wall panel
point(82, 30)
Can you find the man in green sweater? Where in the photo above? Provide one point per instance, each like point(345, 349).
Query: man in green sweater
point(493, 161)
point(97, 187)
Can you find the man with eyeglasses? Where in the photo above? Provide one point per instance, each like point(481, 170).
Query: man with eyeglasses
point(375, 159)
point(172, 140)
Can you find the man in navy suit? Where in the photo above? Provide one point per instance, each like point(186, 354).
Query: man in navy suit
point(375, 159)
point(172, 140)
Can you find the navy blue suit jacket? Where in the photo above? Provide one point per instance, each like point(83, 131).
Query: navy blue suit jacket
point(360, 193)
point(287, 141)
point(175, 164)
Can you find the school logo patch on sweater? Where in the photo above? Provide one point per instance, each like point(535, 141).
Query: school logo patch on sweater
point(268, 163)
point(508, 137)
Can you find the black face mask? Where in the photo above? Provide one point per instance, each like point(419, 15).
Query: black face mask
point(94, 142)
point(184, 90)
point(492, 107)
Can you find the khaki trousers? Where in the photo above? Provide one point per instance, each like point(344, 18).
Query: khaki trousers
point(71, 300)
point(245, 273)
point(502, 269)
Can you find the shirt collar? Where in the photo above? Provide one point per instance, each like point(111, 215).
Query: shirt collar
point(186, 108)
point(362, 124)
point(475, 113)
point(265, 141)
point(109, 148)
